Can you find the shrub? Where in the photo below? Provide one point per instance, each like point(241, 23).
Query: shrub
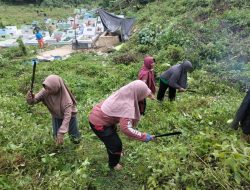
point(175, 53)
point(197, 3)
point(22, 46)
point(203, 13)
point(2, 61)
point(148, 34)
point(143, 48)
point(176, 35)
point(1, 24)
point(12, 53)
point(161, 56)
point(211, 51)
point(125, 59)
point(171, 55)
point(237, 20)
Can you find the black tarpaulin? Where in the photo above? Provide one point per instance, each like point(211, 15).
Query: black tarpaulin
point(113, 23)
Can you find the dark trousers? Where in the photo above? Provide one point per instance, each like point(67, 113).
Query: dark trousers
point(142, 106)
point(112, 143)
point(246, 124)
point(73, 130)
point(162, 90)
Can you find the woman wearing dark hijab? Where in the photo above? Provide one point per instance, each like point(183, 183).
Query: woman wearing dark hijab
point(61, 104)
point(174, 78)
point(242, 118)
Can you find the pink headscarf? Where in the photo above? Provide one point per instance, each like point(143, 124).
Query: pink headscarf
point(124, 102)
point(60, 98)
point(147, 72)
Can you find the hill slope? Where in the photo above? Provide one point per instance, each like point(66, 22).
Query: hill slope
point(208, 155)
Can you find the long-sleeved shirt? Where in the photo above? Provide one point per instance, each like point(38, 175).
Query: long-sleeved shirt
point(100, 120)
point(69, 111)
point(173, 76)
point(176, 76)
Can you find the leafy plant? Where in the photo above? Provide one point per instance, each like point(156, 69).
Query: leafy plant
point(22, 46)
point(125, 59)
point(148, 34)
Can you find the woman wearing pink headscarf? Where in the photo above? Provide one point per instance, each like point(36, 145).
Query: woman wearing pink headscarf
point(121, 107)
point(146, 74)
point(62, 105)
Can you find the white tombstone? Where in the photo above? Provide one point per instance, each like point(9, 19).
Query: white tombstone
point(90, 22)
point(70, 33)
point(89, 31)
point(99, 27)
point(12, 30)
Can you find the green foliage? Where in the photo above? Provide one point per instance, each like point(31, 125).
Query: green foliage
point(174, 53)
point(237, 20)
point(143, 48)
point(25, 14)
point(202, 13)
point(13, 52)
point(17, 52)
point(148, 34)
point(202, 152)
point(208, 154)
point(125, 58)
point(1, 24)
point(197, 3)
point(22, 46)
point(208, 31)
point(105, 3)
point(211, 51)
point(59, 3)
point(2, 61)
point(49, 3)
point(177, 34)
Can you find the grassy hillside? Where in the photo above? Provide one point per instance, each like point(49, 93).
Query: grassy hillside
point(211, 33)
point(208, 155)
point(25, 14)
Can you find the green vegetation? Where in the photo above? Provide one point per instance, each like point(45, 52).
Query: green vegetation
point(213, 34)
point(208, 154)
point(23, 14)
point(208, 32)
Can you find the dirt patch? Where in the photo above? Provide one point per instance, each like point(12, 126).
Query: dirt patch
point(61, 51)
point(105, 46)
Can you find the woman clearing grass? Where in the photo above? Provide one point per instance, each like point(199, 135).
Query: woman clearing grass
point(121, 107)
point(174, 78)
point(146, 74)
point(62, 106)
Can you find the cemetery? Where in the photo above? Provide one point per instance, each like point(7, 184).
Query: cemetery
point(84, 28)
